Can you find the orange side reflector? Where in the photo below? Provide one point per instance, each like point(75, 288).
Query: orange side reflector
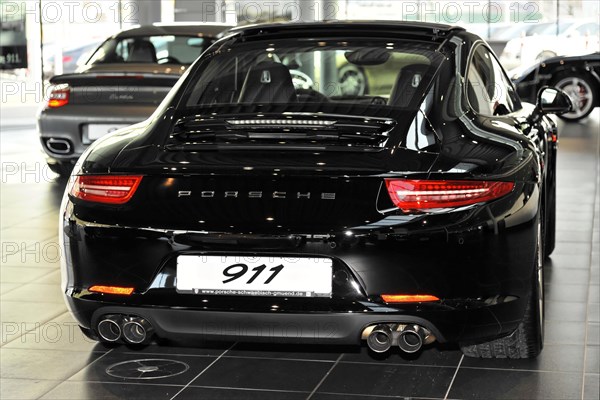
point(408, 298)
point(112, 290)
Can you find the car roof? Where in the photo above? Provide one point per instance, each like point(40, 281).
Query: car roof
point(199, 29)
point(408, 29)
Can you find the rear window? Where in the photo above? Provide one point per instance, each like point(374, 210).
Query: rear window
point(166, 49)
point(376, 73)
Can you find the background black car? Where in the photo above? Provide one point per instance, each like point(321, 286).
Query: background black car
point(247, 207)
point(578, 76)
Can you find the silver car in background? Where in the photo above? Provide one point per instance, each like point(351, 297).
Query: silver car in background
point(121, 84)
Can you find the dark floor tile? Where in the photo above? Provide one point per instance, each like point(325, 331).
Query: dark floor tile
point(140, 368)
point(591, 387)
point(184, 348)
point(260, 373)
point(194, 393)
point(558, 291)
point(567, 276)
point(554, 358)
point(289, 351)
point(345, 396)
point(429, 355)
point(388, 379)
point(488, 384)
point(106, 390)
point(562, 332)
point(592, 359)
point(25, 389)
point(42, 364)
point(562, 311)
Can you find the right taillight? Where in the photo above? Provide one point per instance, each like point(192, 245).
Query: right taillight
point(59, 96)
point(414, 195)
point(109, 189)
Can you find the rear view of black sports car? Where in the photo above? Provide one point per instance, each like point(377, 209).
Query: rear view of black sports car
point(261, 202)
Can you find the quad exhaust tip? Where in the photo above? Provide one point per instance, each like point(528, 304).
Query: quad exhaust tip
point(409, 338)
point(131, 329)
point(137, 330)
point(109, 328)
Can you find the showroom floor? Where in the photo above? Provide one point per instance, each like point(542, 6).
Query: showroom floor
point(43, 354)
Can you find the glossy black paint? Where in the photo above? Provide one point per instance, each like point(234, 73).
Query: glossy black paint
point(479, 260)
point(550, 71)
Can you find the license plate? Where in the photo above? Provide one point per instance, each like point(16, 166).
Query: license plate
point(254, 276)
point(96, 131)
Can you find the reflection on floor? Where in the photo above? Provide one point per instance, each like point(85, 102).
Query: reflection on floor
point(43, 354)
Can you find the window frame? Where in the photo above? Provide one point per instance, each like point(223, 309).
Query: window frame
point(518, 106)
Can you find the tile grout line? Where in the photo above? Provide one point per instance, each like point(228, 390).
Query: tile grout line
point(203, 371)
point(454, 376)
point(325, 376)
point(78, 371)
point(587, 304)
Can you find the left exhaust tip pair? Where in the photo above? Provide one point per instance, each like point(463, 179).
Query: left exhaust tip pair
point(133, 330)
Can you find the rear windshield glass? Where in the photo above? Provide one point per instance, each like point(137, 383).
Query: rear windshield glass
point(380, 74)
point(167, 49)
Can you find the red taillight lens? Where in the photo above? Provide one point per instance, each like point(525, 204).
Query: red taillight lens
point(110, 189)
point(59, 96)
point(409, 195)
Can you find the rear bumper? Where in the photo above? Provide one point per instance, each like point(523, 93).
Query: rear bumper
point(345, 328)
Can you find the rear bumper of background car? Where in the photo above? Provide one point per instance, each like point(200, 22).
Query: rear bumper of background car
point(68, 127)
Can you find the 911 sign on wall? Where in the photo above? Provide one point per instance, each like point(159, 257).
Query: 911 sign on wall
point(13, 45)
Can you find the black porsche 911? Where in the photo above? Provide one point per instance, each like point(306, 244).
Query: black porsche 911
point(261, 202)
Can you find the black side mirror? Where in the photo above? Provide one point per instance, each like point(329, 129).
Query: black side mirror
point(551, 100)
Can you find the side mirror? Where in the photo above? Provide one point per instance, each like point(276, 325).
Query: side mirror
point(551, 100)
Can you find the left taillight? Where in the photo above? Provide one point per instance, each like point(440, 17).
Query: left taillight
point(108, 189)
point(59, 96)
point(413, 195)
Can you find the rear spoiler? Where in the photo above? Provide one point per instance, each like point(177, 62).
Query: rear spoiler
point(115, 78)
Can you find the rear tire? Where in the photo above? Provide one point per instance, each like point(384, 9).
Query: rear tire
point(527, 340)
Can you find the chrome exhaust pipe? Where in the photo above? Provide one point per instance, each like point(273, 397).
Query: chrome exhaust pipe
point(109, 328)
point(411, 338)
point(137, 330)
point(59, 146)
point(380, 339)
